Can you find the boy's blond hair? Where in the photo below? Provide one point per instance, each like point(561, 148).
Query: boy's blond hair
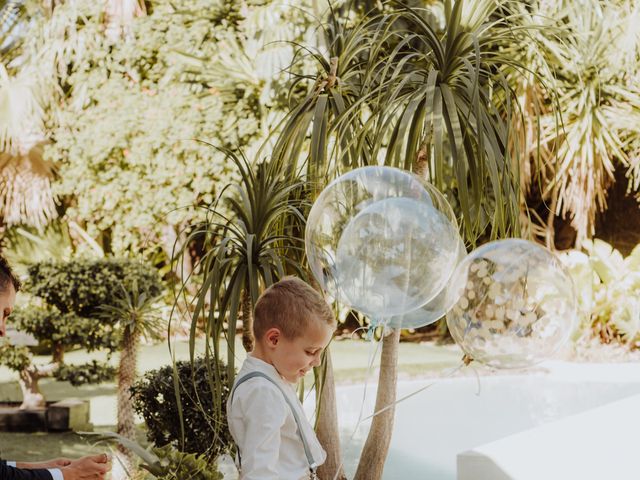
point(290, 305)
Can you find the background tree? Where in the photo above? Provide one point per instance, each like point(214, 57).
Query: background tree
point(127, 132)
point(395, 89)
point(589, 55)
point(65, 314)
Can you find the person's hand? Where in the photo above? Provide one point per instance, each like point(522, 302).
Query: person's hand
point(93, 467)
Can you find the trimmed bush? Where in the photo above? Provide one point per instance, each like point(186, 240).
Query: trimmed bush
point(84, 286)
point(205, 420)
point(52, 327)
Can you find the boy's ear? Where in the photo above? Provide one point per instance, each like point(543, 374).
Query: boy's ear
point(273, 336)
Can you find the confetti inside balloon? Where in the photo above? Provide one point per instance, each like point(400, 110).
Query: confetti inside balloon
point(376, 241)
point(515, 304)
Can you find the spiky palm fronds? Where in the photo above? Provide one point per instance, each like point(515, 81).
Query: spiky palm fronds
point(26, 195)
point(592, 53)
point(256, 242)
point(395, 89)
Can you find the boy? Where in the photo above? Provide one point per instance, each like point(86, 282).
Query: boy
point(292, 326)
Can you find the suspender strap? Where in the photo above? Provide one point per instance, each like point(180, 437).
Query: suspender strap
point(313, 466)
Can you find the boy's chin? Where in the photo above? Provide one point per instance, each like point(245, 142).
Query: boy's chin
point(294, 378)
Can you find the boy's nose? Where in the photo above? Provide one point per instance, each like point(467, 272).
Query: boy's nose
point(316, 361)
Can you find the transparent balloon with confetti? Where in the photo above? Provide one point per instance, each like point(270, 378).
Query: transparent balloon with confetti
point(514, 304)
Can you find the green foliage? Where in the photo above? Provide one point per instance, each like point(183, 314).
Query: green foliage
point(88, 373)
point(14, 357)
point(50, 327)
point(204, 414)
point(26, 246)
point(135, 309)
point(85, 286)
point(126, 139)
point(608, 287)
point(177, 465)
point(167, 462)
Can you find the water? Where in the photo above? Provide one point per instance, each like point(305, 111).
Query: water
point(452, 416)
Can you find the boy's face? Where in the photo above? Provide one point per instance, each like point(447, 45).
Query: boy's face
point(293, 358)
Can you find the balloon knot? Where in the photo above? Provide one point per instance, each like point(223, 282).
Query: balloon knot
point(466, 359)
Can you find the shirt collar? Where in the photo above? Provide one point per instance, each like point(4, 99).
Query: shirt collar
point(264, 367)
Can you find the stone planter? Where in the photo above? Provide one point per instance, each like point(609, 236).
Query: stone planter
point(59, 416)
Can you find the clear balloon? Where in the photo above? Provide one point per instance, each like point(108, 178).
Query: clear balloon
point(514, 304)
point(433, 310)
point(376, 241)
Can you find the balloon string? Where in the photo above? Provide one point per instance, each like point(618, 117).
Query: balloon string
point(464, 362)
point(353, 334)
point(475, 371)
point(373, 353)
point(402, 399)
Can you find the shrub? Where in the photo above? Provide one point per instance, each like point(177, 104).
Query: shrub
point(15, 357)
point(84, 286)
point(183, 466)
point(87, 373)
point(52, 327)
point(205, 424)
point(608, 288)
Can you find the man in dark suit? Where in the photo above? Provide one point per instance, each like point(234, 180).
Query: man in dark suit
point(91, 467)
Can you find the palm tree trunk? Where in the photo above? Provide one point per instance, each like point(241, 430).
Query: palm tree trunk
point(327, 426)
point(376, 448)
point(247, 320)
point(126, 378)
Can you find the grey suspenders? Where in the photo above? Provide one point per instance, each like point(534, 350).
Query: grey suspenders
point(313, 466)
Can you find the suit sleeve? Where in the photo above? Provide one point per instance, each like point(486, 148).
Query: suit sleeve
point(11, 473)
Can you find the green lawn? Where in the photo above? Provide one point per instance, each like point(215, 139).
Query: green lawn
point(350, 360)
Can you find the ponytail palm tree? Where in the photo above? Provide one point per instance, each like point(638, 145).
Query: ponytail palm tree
point(391, 88)
point(252, 238)
point(394, 89)
point(137, 315)
point(25, 178)
point(591, 58)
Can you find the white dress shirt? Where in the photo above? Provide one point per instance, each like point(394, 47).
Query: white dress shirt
point(55, 473)
point(265, 430)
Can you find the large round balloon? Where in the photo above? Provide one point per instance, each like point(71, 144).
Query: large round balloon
point(433, 310)
point(515, 304)
point(376, 241)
